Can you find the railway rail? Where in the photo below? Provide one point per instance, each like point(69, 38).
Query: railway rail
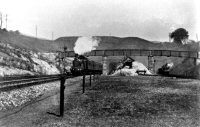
point(17, 82)
point(7, 78)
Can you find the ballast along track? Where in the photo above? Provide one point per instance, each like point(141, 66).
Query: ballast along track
point(17, 82)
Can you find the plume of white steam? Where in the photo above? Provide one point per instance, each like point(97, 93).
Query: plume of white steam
point(85, 44)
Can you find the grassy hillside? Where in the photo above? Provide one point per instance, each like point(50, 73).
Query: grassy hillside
point(22, 41)
point(111, 42)
point(107, 42)
point(19, 40)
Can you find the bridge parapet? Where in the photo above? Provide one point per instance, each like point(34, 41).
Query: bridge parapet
point(137, 52)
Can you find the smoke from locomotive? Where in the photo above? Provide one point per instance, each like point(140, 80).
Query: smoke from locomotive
point(85, 44)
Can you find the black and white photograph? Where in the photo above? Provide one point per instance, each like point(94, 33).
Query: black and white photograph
point(99, 63)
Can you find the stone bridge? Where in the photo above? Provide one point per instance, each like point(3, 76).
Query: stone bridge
point(138, 52)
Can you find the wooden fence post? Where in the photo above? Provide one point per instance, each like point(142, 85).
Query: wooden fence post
point(83, 91)
point(62, 96)
point(90, 79)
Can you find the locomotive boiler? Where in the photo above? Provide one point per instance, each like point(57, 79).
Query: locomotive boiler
point(82, 64)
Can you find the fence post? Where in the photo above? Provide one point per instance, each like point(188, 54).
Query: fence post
point(90, 79)
point(83, 82)
point(93, 77)
point(62, 91)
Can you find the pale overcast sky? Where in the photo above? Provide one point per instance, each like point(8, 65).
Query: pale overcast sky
point(148, 19)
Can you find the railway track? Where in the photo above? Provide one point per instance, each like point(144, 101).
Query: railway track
point(7, 78)
point(16, 83)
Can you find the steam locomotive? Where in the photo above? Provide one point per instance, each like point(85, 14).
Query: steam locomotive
point(82, 64)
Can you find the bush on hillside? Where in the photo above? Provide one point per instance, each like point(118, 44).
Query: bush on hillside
point(5, 30)
point(17, 32)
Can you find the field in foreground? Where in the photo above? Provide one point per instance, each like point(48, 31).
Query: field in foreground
point(139, 101)
point(134, 101)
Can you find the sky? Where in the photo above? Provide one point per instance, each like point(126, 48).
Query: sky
point(149, 19)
